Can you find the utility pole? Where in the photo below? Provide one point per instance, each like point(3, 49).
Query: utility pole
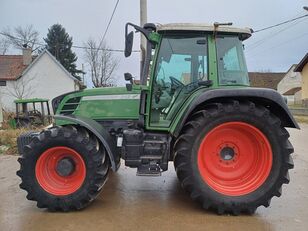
point(82, 68)
point(2, 83)
point(143, 20)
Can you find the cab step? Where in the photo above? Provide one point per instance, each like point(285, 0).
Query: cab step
point(149, 170)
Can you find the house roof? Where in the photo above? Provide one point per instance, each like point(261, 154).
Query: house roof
point(54, 59)
point(299, 67)
point(265, 79)
point(292, 91)
point(11, 67)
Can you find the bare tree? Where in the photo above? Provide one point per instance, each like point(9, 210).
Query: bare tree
point(20, 88)
point(4, 46)
point(102, 64)
point(21, 36)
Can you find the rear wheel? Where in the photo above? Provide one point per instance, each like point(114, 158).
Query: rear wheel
point(233, 157)
point(63, 168)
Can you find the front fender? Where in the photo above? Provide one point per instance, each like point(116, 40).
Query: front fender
point(265, 97)
point(99, 131)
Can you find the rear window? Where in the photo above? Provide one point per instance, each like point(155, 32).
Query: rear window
point(231, 63)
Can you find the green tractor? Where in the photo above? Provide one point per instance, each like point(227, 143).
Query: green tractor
point(193, 106)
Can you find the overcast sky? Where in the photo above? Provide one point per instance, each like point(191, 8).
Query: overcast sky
point(274, 50)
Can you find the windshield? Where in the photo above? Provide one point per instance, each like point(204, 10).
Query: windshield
point(232, 68)
point(181, 64)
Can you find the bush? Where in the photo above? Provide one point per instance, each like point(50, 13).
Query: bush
point(8, 139)
point(301, 119)
point(7, 116)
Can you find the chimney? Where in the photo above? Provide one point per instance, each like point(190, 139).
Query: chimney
point(27, 55)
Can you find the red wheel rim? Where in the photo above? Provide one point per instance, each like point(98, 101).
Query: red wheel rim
point(48, 177)
point(235, 158)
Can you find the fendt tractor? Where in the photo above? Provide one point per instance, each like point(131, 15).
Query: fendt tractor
point(193, 106)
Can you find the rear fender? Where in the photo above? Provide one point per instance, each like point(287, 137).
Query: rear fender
point(261, 96)
point(99, 131)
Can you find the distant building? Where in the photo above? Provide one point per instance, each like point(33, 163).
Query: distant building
point(290, 86)
point(265, 79)
point(25, 76)
point(302, 69)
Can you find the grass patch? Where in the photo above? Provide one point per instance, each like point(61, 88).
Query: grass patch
point(296, 106)
point(8, 135)
point(301, 119)
point(8, 139)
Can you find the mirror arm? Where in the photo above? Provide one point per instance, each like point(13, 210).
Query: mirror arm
point(145, 32)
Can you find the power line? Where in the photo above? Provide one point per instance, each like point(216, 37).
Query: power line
point(279, 24)
point(252, 46)
point(252, 55)
point(73, 46)
point(103, 49)
point(114, 10)
point(270, 36)
point(83, 47)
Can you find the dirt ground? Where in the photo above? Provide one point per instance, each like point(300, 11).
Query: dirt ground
point(144, 203)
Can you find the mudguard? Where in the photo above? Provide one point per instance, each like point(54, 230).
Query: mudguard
point(266, 97)
point(99, 131)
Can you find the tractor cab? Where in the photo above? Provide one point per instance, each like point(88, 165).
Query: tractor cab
point(187, 58)
point(31, 112)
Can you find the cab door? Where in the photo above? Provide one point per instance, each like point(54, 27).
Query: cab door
point(182, 61)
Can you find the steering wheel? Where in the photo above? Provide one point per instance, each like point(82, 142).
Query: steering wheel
point(175, 84)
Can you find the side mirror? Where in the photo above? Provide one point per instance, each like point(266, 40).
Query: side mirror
point(129, 39)
point(128, 77)
point(129, 87)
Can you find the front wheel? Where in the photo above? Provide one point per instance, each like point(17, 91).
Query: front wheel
point(63, 168)
point(233, 157)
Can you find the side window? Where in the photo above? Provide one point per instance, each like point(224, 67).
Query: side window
point(177, 68)
point(231, 64)
point(230, 60)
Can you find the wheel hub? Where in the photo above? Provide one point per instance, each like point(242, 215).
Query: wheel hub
point(227, 153)
point(65, 166)
point(60, 170)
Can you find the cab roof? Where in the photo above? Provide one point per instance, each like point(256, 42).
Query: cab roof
point(203, 27)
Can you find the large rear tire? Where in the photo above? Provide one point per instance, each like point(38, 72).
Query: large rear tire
point(233, 157)
point(63, 168)
point(25, 139)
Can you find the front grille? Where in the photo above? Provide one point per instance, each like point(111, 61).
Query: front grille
point(70, 106)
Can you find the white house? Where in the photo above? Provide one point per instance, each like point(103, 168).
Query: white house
point(25, 76)
point(291, 86)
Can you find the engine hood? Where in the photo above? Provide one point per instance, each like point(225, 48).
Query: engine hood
point(101, 103)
